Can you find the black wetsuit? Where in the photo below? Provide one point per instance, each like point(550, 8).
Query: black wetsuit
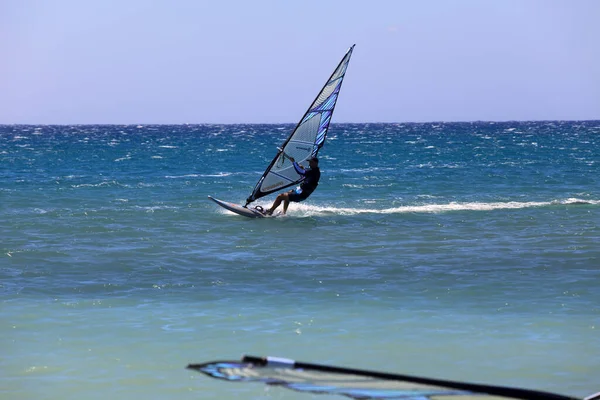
point(308, 185)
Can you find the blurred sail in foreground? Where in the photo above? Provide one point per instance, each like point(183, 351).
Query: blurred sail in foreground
point(360, 384)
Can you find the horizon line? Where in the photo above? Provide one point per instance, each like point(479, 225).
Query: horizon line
point(294, 123)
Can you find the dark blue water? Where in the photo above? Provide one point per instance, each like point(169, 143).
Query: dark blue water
point(454, 250)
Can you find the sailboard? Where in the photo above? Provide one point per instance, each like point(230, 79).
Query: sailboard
point(305, 141)
point(236, 208)
point(361, 384)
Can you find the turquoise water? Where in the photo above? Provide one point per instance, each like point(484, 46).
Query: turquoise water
point(452, 250)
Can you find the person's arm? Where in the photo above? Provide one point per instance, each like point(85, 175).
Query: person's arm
point(299, 168)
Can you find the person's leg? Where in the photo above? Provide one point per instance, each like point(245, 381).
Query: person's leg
point(281, 197)
point(286, 203)
point(292, 196)
point(276, 204)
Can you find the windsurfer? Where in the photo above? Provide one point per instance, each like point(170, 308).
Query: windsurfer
point(308, 185)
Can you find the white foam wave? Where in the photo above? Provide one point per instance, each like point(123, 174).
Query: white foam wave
point(220, 174)
point(105, 183)
point(576, 201)
point(151, 209)
point(310, 210)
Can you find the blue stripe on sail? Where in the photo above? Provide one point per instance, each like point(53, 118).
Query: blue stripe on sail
point(308, 116)
point(321, 132)
point(325, 118)
point(320, 138)
point(330, 102)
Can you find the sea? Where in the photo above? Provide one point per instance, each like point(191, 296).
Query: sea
point(465, 251)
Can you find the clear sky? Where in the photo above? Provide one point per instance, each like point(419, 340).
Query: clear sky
point(255, 61)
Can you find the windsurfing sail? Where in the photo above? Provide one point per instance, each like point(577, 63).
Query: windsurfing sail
point(360, 384)
point(305, 140)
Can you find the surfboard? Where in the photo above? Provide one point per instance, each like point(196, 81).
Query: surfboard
point(238, 209)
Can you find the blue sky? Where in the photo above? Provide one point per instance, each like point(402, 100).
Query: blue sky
point(184, 61)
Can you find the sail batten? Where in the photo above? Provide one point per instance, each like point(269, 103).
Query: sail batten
point(281, 176)
point(306, 139)
point(300, 142)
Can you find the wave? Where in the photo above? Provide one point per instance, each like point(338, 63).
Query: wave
point(312, 210)
point(151, 209)
point(100, 184)
point(219, 175)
